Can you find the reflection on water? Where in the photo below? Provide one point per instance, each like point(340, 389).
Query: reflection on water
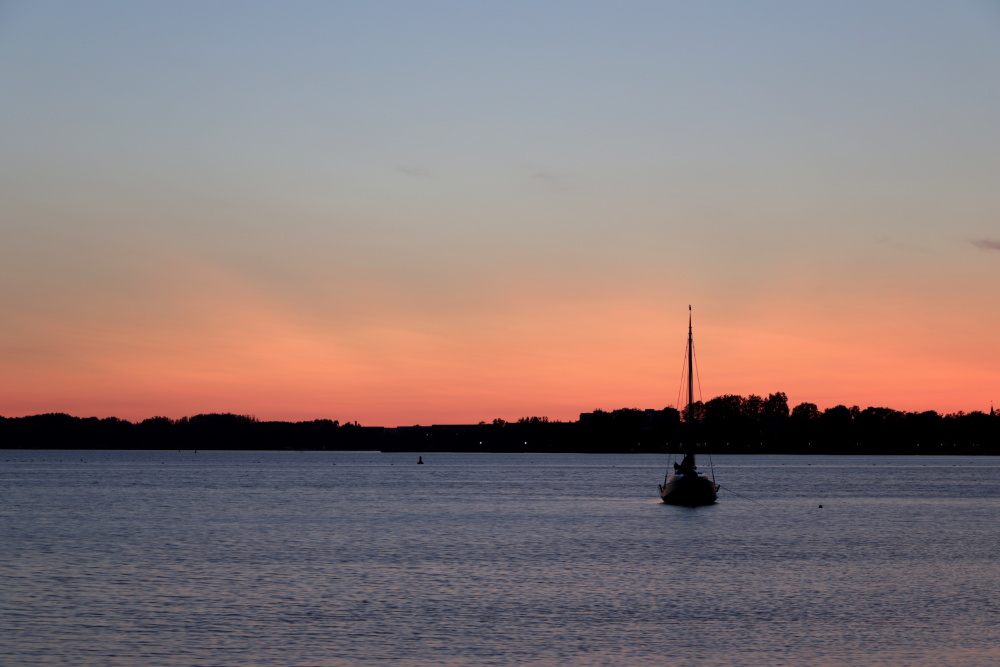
point(240, 558)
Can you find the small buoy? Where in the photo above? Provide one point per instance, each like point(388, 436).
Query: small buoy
point(821, 507)
point(420, 460)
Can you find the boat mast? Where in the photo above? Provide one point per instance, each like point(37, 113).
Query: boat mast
point(690, 356)
point(690, 405)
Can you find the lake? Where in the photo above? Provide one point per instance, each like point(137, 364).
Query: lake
point(323, 558)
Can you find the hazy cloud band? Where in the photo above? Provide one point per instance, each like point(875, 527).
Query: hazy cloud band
point(987, 244)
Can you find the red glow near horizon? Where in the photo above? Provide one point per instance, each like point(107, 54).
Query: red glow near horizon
point(261, 361)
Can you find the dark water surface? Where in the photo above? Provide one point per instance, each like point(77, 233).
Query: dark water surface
point(301, 558)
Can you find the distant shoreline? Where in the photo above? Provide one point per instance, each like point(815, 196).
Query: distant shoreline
point(735, 430)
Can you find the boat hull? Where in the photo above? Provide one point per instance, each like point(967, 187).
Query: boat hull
point(689, 491)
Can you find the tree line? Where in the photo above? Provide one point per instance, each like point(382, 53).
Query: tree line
point(725, 424)
point(735, 422)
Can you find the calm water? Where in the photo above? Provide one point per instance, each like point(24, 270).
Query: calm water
point(250, 558)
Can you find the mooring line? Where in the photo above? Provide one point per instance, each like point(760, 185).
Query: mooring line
point(739, 496)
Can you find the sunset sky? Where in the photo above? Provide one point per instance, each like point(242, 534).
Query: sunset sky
point(445, 212)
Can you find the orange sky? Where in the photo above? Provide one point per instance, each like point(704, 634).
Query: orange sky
point(219, 345)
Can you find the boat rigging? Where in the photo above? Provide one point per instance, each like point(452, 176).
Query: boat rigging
point(686, 486)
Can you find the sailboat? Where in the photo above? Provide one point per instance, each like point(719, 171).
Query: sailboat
point(686, 486)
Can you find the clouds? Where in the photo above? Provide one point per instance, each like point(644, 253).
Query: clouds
point(414, 172)
point(552, 180)
point(986, 244)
